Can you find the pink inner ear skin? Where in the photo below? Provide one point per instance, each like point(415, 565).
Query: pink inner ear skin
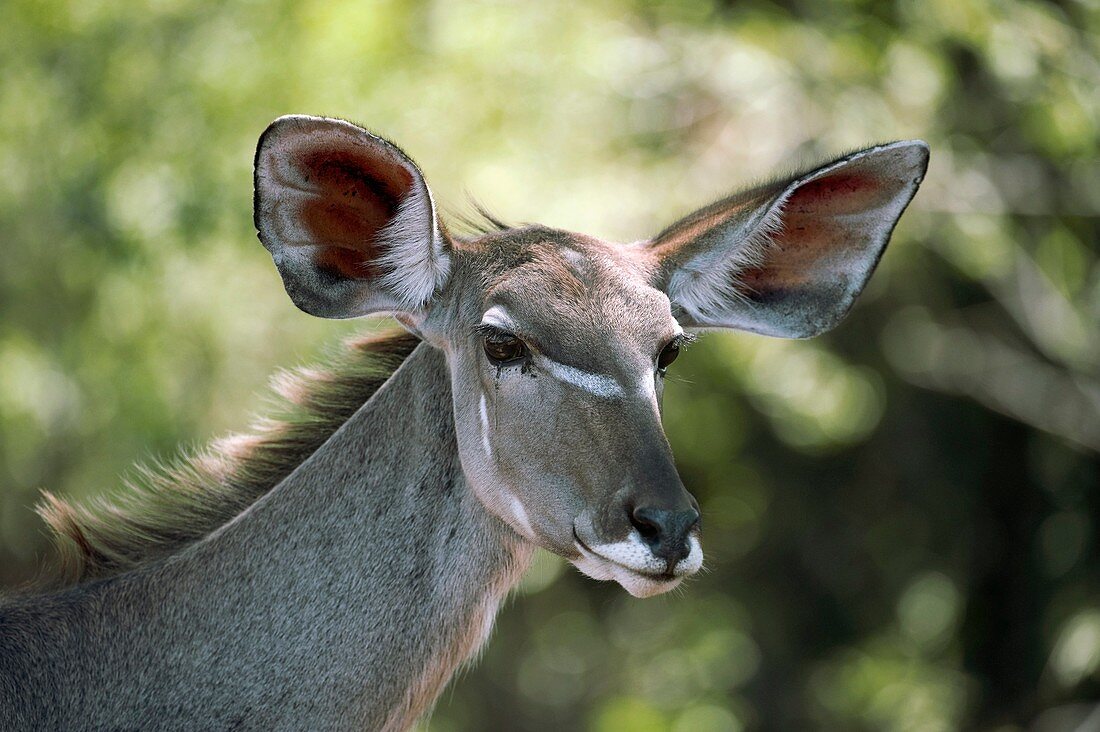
point(839, 194)
point(816, 238)
point(353, 197)
point(356, 264)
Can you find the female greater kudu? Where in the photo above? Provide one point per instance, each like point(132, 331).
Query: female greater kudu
point(333, 571)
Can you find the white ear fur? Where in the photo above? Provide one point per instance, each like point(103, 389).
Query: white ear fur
point(413, 272)
point(789, 259)
point(707, 282)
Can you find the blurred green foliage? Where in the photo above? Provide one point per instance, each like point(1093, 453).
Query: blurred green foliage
point(901, 517)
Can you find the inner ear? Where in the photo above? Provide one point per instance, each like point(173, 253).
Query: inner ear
point(348, 219)
point(789, 258)
point(814, 243)
point(354, 195)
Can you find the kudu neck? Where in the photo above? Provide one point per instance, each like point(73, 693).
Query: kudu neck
point(344, 598)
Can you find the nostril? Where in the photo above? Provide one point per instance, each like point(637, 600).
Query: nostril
point(665, 532)
point(647, 521)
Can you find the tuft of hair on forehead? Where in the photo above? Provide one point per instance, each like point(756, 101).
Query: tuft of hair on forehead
point(476, 221)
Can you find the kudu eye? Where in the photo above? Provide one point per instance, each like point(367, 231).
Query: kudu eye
point(503, 348)
point(668, 355)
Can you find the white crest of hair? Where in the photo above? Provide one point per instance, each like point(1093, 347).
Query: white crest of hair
point(710, 281)
point(600, 385)
point(415, 262)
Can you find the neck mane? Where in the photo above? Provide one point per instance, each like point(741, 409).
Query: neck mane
point(169, 507)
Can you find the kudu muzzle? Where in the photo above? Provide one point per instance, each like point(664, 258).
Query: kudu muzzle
point(658, 506)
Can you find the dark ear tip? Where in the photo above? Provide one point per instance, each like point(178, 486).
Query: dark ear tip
point(300, 123)
point(288, 124)
point(919, 148)
point(915, 152)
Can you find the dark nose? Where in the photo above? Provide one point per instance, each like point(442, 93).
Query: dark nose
point(665, 531)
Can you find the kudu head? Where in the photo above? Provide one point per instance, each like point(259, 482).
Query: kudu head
point(557, 343)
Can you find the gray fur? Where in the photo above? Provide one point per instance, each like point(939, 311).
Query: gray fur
point(286, 617)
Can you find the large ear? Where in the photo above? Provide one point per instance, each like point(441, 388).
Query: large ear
point(347, 218)
point(788, 259)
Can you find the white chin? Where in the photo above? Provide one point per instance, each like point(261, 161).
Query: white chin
point(637, 584)
point(640, 586)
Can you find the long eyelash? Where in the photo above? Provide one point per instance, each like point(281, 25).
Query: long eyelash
point(685, 339)
point(484, 330)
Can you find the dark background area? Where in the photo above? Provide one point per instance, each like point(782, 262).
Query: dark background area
point(900, 517)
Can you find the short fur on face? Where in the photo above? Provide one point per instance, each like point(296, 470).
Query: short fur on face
point(563, 441)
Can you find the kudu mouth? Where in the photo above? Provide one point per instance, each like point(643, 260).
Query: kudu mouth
point(632, 564)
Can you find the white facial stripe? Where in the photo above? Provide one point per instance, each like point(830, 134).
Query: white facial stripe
point(485, 428)
point(599, 384)
point(514, 510)
point(648, 388)
point(519, 513)
point(648, 383)
point(498, 316)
